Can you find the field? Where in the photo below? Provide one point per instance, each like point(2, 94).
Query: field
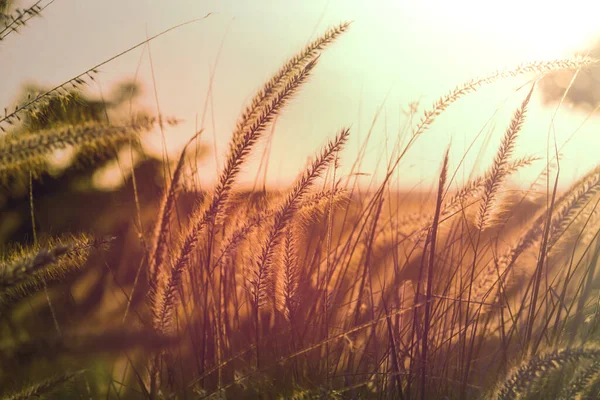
point(164, 288)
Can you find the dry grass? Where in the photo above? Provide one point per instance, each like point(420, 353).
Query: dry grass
point(318, 291)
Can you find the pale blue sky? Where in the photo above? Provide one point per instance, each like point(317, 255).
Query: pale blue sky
point(405, 50)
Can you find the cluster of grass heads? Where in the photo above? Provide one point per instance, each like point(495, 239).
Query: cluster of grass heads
point(320, 291)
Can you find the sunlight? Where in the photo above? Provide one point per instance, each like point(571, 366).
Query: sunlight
point(539, 29)
point(293, 200)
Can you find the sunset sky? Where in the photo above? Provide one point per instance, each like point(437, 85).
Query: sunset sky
point(396, 52)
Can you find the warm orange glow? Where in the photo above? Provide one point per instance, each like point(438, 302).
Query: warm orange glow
point(279, 199)
point(393, 55)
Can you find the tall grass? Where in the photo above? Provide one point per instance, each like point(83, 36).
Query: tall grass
point(320, 290)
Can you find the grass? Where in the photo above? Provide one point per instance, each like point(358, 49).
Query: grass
point(320, 291)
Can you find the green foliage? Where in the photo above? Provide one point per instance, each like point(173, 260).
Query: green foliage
point(43, 274)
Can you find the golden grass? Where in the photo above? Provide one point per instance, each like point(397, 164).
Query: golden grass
point(321, 291)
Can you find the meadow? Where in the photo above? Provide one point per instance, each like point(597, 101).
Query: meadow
point(164, 289)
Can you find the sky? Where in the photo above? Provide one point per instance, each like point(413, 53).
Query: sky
point(395, 53)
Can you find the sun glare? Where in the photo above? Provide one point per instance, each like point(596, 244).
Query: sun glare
point(342, 199)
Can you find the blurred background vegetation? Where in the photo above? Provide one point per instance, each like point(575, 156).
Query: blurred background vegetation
point(113, 193)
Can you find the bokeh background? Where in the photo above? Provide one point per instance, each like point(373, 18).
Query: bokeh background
point(396, 54)
point(395, 61)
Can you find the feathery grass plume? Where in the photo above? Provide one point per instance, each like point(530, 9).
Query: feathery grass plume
point(239, 150)
point(27, 152)
point(262, 272)
point(574, 200)
point(429, 115)
point(316, 205)
point(241, 145)
point(566, 206)
point(315, 200)
point(71, 255)
point(577, 230)
point(265, 105)
point(468, 195)
point(498, 172)
point(158, 251)
point(233, 239)
point(536, 188)
point(581, 381)
point(14, 21)
point(309, 206)
point(261, 275)
point(291, 275)
point(38, 101)
point(474, 187)
point(538, 67)
point(525, 376)
point(308, 54)
point(43, 387)
point(22, 269)
point(256, 121)
point(590, 232)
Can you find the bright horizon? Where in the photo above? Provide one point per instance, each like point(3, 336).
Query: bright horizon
point(392, 55)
